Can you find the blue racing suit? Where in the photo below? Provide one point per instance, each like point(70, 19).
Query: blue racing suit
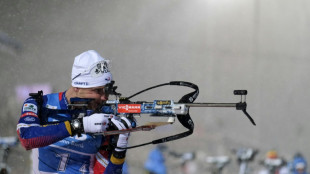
point(54, 150)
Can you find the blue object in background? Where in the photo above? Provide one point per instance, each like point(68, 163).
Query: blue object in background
point(156, 162)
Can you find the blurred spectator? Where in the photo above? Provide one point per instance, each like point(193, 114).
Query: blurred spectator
point(273, 164)
point(299, 164)
point(125, 168)
point(155, 163)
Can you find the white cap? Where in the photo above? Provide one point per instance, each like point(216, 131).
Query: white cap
point(90, 70)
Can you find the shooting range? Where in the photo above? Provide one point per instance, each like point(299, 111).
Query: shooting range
point(261, 46)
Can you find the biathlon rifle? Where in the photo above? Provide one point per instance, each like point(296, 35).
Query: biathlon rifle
point(164, 108)
point(122, 106)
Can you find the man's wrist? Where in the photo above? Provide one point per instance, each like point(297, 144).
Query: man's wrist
point(119, 154)
point(118, 157)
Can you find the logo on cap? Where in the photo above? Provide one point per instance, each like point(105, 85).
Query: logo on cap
point(102, 67)
point(81, 83)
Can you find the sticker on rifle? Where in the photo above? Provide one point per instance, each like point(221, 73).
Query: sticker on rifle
point(129, 108)
point(163, 102)
point(30, 107)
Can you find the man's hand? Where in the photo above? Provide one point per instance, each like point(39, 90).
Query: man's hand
point(120, 124)
point(96, 123)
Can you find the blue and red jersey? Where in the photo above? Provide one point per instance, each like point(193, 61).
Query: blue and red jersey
point(54, 150)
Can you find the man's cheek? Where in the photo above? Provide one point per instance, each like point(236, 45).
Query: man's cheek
point(90, 95)
point(95, 103)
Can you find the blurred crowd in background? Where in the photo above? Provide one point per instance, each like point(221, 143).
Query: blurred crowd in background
point(244, 158)
point(187, 162)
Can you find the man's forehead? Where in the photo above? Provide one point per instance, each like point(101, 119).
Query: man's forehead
point(99, 87)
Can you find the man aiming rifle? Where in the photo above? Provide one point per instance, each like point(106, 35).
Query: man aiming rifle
point(67, 131)
point(62, 142)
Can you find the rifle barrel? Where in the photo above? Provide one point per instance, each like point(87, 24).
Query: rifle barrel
point(210, 104)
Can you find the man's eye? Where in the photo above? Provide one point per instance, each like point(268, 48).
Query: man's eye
point(99, 91)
